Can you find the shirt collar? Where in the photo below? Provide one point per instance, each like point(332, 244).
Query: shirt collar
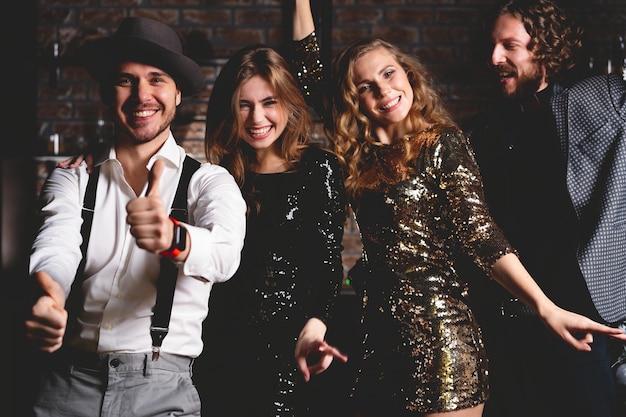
point(169, 151)
point(536, 101)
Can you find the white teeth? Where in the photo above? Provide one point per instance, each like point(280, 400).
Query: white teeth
point(390, 105)
point(259, 131)
point(144, 113)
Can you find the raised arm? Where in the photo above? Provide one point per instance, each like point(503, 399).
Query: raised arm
point(305, 58)
point(303, 23)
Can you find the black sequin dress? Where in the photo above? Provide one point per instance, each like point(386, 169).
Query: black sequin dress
point(422, 350)
point(291, 270)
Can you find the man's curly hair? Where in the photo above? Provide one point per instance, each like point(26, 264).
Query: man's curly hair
point(555, 37)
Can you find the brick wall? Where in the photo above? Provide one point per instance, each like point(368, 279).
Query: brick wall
point(445, 34)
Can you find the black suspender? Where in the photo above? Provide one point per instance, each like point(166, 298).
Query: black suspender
point(72, 304)
point(166, 282)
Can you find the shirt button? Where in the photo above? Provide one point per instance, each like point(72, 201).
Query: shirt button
point(114, 363)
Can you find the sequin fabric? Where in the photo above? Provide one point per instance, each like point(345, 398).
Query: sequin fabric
point(305, 59)
point(421, 344)
point(422, 350)
point(291, 270)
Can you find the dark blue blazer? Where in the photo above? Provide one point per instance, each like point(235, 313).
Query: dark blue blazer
point(591, 123)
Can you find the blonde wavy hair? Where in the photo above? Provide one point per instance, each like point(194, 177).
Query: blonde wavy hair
point(351, 131)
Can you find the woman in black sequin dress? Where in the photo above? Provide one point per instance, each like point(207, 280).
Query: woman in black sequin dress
point(417, 194)
point(270, 316)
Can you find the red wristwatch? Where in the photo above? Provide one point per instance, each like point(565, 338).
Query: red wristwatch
point(179, 240)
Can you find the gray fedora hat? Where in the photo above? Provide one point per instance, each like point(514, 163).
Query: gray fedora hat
point(139, 39)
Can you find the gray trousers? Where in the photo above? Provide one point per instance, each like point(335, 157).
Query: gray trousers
point(81, 384)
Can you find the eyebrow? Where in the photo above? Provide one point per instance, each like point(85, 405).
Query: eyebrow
point(508, 39)
point(151, 74)
point(382, 70)
point(263, 99)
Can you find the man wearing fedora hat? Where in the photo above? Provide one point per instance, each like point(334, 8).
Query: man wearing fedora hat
point(115, 343)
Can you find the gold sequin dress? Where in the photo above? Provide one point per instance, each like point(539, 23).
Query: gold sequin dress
point(422, 350)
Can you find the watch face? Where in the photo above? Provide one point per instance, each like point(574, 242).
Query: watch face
point(179, 240)
point(180, 237)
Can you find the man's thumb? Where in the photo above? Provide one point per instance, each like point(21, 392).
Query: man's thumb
point(51, 288)
point(154, 178)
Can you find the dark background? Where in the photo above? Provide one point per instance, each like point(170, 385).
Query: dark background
point(39, 101)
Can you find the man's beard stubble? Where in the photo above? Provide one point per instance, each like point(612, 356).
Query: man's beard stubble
point(528, 83)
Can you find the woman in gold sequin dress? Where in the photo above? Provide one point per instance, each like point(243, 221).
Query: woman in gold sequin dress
point(417, 195)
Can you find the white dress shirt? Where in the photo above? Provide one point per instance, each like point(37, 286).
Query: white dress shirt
point(120, 277)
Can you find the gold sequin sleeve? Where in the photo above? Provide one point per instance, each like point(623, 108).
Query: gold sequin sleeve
point(457, 172)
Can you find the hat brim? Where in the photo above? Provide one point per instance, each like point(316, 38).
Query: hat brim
point(100, 56)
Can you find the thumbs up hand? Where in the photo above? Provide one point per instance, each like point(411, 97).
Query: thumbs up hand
point(154, 179)
point(46, 325)
point(148, 220)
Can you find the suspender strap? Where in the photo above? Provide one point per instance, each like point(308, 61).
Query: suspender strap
point(179, 206)
point(89, 202)
point(88, 207)
point(166, 283)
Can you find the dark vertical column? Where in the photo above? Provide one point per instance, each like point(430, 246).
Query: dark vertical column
point(17, 176)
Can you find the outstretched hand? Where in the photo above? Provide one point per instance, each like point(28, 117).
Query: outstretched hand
point(313, 355)
point(46, 325)
point(574, 329)
point(314, 358)
point(148, 220)
point(578, 330)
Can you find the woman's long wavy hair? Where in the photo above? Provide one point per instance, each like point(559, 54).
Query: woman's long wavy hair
point(225, 128)
point(555, 37)
point(351, 130)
